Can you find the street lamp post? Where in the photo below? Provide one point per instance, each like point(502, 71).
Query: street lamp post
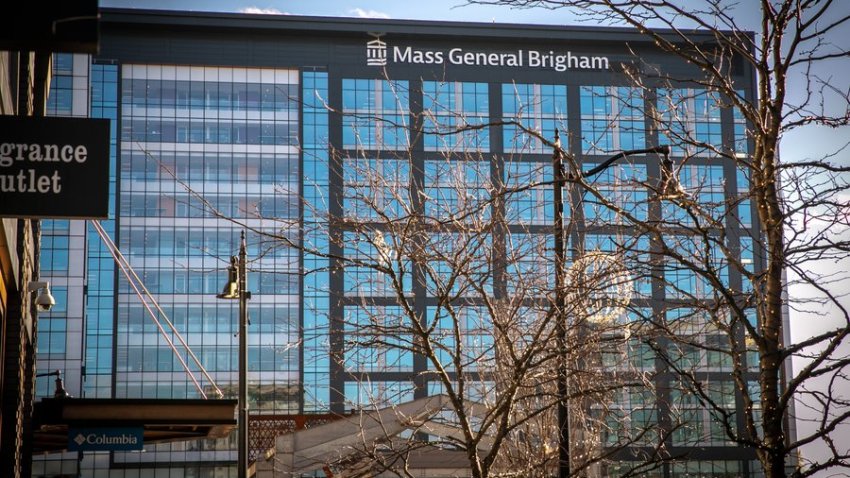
point(668, 183)
point(561, 324)
point(236, 288)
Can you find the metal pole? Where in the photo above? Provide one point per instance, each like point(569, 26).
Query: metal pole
point(559, 230)
point(243, 362)
point(560, 314)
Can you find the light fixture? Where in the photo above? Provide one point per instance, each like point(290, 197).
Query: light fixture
point(60, 391)
point(235, 288)
point(384, 250)
point(670, 185)
point(669, 188)
point(231, 288)
point(45, 301)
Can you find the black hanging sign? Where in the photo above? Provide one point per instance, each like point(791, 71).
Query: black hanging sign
point(54, 167)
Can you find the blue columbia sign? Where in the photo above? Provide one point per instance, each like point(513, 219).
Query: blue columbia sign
point(105, 439)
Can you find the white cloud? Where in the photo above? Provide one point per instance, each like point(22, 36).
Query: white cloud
point(360, 13)
point(262, 11)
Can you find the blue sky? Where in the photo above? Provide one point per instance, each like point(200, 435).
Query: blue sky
point(419, 10)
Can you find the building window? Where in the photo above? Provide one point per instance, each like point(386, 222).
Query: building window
point(531, 205)
point(376, 188)
point(530, 264)
point(698, 343)
point(54, 254)
point(635, 252)
point(623, 193)
point(630, 417)
point(377, 340)
point(706, 469)
point(476, 352)
point(60, 100)
point(53, 326)
point(454, 113)
point(612, 119)
point(690, 122)
point(707, 186)
point(364, 280)
point(536, 108)
point(375, 114)
point(314, 183)
point(371, 395)
point(457, 189)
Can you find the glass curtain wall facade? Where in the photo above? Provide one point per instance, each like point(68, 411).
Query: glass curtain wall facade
point(75, 336)
point(226, 135)
point(63, 261)
point(203, 152)
point(207, 152)
point(608, 119)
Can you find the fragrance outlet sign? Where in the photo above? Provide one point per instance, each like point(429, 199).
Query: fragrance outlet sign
point(378, 53)
point(54, 167)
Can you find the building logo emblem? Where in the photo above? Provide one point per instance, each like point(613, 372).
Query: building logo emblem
point(80, 439)
point(376, 51)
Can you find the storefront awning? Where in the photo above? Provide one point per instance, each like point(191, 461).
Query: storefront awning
point(162, 420)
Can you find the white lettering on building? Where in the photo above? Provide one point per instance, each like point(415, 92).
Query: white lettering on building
point(417, 57)
point(376, 55)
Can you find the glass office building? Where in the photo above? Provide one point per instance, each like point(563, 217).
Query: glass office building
point(223, 123)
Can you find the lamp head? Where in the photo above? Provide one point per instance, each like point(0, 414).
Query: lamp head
point(230, 291)
point(231, 288)
point(45, 301)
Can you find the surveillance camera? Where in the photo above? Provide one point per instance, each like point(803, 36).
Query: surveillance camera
point(44, 301)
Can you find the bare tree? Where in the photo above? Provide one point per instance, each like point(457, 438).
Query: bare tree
point(702, 233)
point(447, 263)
